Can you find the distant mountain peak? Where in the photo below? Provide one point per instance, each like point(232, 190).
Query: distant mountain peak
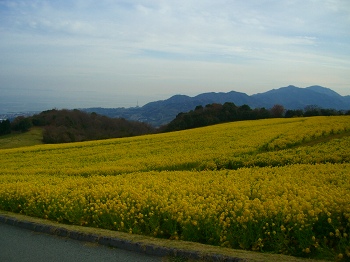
point(178, 98)
point(323, 90)
point(161, 112)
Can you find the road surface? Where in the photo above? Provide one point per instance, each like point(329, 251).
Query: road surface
point(18, 244)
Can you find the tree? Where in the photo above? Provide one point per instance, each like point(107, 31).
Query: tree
point(200, 107)
point(261, 113)
point(63, 126)
point(312, 110)
point(5, 127)
point(329, 112)
point(245, 113)
point(21, 123)
point(277, 111)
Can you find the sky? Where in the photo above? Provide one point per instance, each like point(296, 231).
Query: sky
point(85, 53)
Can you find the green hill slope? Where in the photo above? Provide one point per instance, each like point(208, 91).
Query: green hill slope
point(30, 138)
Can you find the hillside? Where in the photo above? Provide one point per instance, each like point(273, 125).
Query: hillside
point(174, 150)
point(291, 97)
point(63, 126)
point(33, 137)
point(215, 113)
point(241, 185)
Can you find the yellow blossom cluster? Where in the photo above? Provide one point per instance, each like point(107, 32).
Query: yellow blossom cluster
point(229, 145)
point(280, 185)
point(329, 151)
point(306, 206)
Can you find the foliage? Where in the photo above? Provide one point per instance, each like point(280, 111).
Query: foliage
point(214, 114)
point(313, 110)
point(21, 123)
point(5, 127)
point(273, 185)
point(277, 111)
point(62, 126)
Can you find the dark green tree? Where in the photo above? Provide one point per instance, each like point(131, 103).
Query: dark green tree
point(5, 127)
point(21, 123)
point(294, 113)
point(312, 110)
point(277, 111)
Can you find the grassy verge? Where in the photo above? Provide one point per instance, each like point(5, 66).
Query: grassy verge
point(30, 138)
point(172, 244)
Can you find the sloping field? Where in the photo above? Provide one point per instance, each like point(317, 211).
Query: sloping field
point(33, 137)
point(276, 185)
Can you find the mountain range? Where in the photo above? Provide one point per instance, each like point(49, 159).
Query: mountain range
point(291, 97)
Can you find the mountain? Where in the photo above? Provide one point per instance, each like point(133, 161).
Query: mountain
point(324, 90)
point(291, 97)
point(162, 112)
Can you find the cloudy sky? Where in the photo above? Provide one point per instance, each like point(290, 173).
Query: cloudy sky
point(119, 53)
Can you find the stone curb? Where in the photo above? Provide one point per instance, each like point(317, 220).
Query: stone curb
point(138, 247)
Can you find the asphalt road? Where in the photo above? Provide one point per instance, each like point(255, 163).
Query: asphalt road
point(18, 244)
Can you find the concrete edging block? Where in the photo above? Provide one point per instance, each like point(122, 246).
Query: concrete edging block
point(149, 249)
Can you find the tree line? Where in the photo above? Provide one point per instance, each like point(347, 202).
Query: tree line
point(62, 126)
point(19, 124)
point(215, 113)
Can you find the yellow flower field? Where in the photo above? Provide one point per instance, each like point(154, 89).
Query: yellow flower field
point(277, 185)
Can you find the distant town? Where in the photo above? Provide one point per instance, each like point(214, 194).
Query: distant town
point(13, 115)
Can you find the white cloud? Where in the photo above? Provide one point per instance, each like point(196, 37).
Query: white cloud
point(203, 44)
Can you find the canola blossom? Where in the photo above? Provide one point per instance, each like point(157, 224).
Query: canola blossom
point(227, 145)
point(277, 185)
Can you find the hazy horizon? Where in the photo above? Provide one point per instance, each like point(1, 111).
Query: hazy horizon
point(122, 53)
point(49, 100)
